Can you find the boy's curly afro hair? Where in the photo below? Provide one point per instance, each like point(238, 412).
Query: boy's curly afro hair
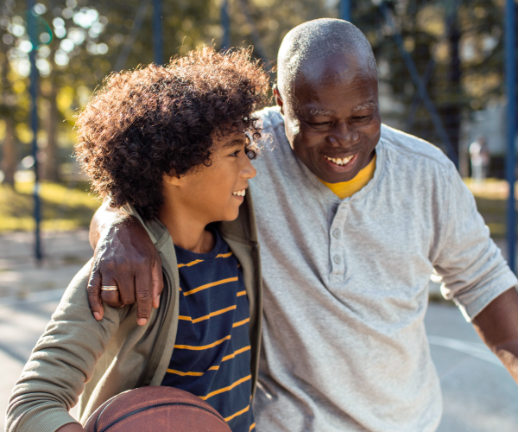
point(161, 119)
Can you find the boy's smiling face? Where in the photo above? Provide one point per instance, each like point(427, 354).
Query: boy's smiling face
point(214, 193)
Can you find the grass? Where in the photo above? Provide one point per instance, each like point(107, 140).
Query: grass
point(491, 197)
point(67, 208)
point(63, 207)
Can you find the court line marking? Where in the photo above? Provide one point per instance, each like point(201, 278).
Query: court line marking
point(473, 349)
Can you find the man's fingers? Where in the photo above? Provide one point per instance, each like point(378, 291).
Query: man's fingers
point(94, 294)
point(126, 253)
point(111, 296)
point(144, 288)
point(126, 283)
point(158, 282)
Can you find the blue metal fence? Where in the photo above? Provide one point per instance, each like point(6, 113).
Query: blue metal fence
point(510, 166)
point(34, 78)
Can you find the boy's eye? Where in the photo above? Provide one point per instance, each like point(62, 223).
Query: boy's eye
point(235, 153)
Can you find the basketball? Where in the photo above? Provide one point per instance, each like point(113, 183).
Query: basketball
point(156, 409)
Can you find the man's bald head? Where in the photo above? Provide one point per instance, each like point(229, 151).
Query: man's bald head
point(306, 49)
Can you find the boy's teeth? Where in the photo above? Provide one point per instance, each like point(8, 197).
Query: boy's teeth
point(240, 193)
point(339, 161)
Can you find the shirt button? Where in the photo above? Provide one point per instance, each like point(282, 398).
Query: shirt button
point(337, 259)
point(336, 233)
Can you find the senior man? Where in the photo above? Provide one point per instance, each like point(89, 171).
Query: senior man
point(352, 218)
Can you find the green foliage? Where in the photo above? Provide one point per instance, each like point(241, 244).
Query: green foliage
point(63, 208)
point(189, 23)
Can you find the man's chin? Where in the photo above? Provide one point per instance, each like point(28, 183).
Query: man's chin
point(337, 178)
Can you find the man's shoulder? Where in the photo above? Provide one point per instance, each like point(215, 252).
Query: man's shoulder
point(413, 150)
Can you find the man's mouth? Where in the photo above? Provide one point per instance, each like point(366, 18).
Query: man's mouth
point(340, 161)
point(240, 193)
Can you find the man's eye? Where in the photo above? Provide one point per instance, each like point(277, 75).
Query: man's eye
point(362, 118)
point(322, 124)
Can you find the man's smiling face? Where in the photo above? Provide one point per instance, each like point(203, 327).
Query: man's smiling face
point(332, 118)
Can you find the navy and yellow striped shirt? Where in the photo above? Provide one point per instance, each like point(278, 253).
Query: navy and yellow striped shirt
point(211, 357)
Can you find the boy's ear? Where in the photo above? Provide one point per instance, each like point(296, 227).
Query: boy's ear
point(173, 180)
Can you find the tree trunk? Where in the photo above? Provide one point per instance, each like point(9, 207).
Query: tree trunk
point(9, 153)
point(9, 159)
point(51, 163)
point(451, 111)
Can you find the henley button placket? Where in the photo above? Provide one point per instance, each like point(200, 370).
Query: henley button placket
point(336, 243)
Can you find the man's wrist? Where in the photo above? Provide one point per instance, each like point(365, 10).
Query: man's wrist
point(508, 354)
point(105, 220)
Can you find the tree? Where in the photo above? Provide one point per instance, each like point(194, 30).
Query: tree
point(7, 100)
point(66, 34)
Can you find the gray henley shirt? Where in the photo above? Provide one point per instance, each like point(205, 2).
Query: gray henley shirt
point(346, 285)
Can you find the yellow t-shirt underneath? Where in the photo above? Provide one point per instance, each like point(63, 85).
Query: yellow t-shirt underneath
point(349, 188)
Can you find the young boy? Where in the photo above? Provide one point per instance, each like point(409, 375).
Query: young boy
point(171, 145)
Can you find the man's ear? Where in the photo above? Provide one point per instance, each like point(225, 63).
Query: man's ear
point(278, 98)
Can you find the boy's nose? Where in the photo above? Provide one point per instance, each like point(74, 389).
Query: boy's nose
point(249, 171)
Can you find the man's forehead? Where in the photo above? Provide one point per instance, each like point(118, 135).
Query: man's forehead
point(328, 98)
point(339, 67)
point(342, 75)
point(369, 104)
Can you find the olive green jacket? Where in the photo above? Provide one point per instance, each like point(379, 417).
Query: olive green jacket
point(78, 355)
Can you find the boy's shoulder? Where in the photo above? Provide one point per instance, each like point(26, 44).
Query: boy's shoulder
point(74, 310)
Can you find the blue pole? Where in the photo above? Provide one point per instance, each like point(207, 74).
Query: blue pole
point(157, 31)
point(421, 88)
point(33, 90)
point(225, 23)
point(510, 83)
point(345, 10)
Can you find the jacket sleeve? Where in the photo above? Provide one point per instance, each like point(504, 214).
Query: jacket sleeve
point(62, 362)
point(473, 269)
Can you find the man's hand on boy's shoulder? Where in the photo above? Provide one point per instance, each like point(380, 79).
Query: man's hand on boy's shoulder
point(126, 263)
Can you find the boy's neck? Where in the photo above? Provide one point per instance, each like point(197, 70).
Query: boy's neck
point(187, 231)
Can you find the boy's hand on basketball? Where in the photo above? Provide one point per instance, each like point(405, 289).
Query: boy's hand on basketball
point(126, 263)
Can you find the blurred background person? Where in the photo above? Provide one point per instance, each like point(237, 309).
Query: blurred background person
point(479, 156)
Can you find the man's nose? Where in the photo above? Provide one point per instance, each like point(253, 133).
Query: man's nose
point(343, 135)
